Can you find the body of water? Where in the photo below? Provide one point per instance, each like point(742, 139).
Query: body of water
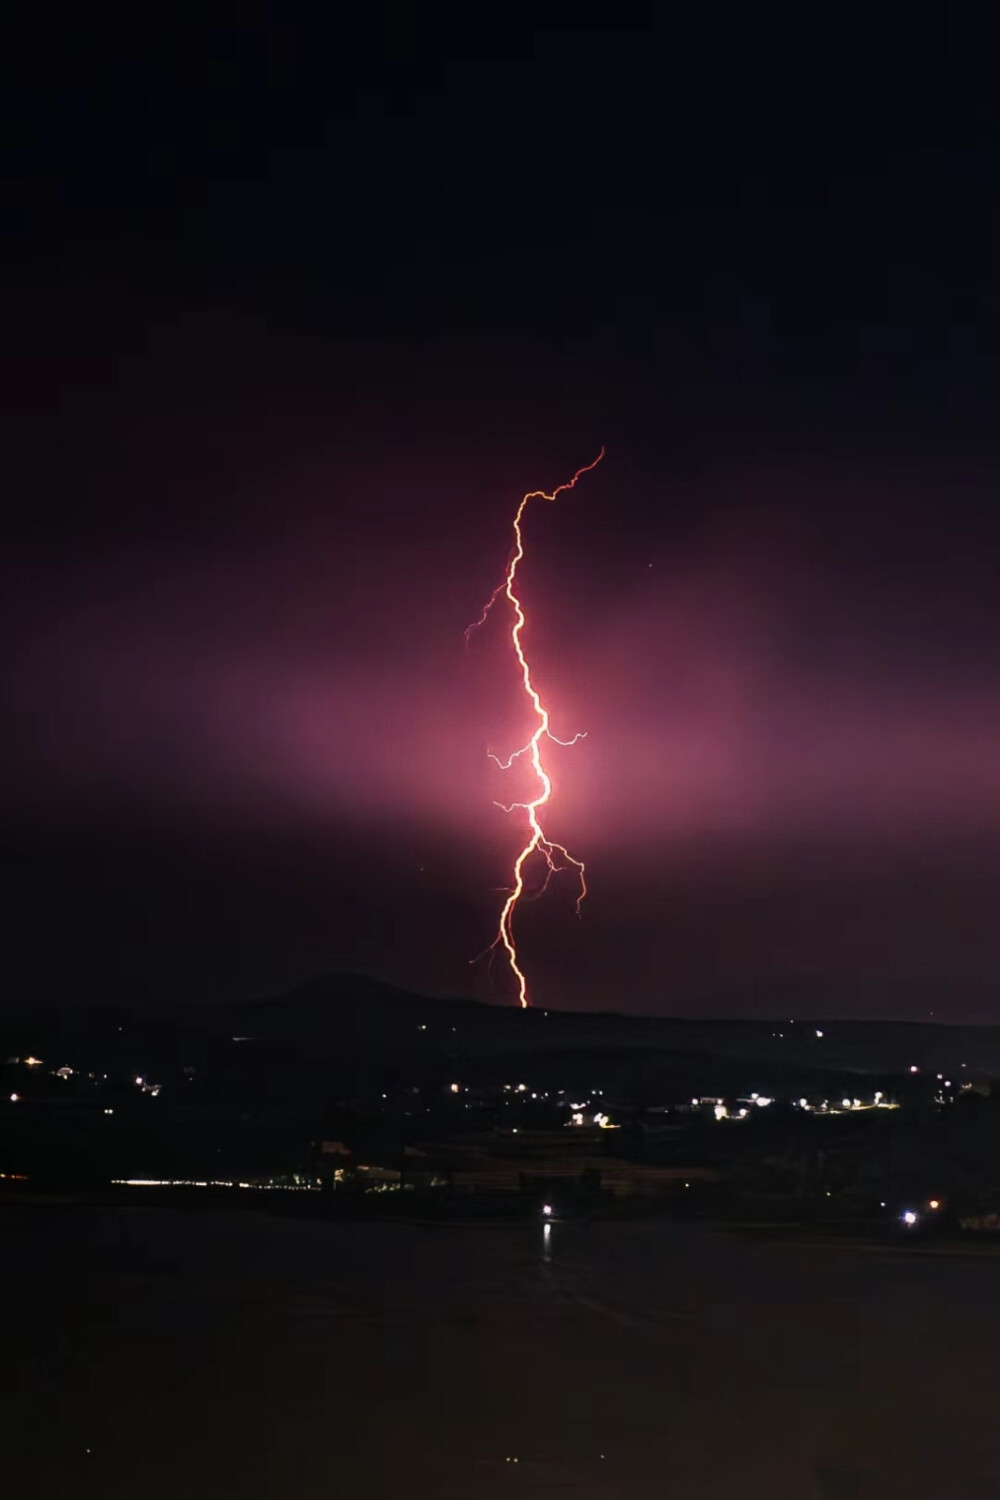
point(159, 1353)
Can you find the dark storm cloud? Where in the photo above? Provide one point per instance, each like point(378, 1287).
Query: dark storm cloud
point(288, 343)
point(788, 693)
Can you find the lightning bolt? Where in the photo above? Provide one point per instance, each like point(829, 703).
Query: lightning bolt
point(556, 857)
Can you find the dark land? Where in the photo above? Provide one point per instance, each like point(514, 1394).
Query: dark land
point(301, 1246)
point(371, 1100)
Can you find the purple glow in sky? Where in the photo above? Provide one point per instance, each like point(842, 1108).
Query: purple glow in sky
point(245, 692)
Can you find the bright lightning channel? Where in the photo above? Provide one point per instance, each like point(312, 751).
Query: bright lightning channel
point(537, 838)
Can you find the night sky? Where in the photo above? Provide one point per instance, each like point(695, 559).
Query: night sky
point(292, 322)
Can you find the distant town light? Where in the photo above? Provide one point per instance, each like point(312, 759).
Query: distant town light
point(818, 1032)
point(109, 1111)
point(934, 1203)
point(909, 1218)
point(914, 1068)
point(32, 1062)
point(14, 1098)
point(547, 1210)
point(456, 1088)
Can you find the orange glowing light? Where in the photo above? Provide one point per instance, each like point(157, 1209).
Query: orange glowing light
point(536, 835)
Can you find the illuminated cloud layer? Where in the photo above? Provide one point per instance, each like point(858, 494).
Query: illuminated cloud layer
point(789, 691)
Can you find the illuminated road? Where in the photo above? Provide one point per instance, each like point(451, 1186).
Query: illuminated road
point(244, 1355)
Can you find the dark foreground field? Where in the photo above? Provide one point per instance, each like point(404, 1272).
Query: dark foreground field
point(156, 1353)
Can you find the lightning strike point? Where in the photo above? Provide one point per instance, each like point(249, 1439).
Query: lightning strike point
point(536, 838)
